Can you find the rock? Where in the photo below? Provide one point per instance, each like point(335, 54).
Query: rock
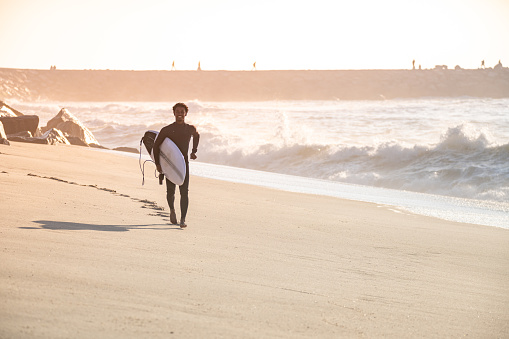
point(126, 149)
point(28, 139)
point(97, 146)
point(13, 125)
point(23, 134)
point(5, 112)
point(2, 131)
point(72, 128)
point(76, 141)
point(55, 136)
point(8, 111)
point(51, 137)
point(3, 136)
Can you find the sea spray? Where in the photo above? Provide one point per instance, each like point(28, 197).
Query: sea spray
point(457, 166)
point(456, 147)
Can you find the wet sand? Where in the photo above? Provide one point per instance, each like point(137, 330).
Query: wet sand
point(87, 251)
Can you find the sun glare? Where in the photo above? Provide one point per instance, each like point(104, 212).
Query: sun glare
point(232, 35)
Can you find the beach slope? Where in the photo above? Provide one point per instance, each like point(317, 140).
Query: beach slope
point(87, 251)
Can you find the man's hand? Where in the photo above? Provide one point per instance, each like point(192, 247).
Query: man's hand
point(193, 156)
point(159, 168)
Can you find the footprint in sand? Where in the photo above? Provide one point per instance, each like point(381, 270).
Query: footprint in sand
point(146, 203)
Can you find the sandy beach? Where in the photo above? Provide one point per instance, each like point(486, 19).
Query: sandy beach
point(87, 251)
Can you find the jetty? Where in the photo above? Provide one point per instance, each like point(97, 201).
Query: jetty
point(124, 85)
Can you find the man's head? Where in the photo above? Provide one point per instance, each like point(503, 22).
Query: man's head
point(180, 104)
point(180, 112)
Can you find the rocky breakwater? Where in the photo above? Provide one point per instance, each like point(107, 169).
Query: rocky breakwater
point(64, 128)
point(107, 85)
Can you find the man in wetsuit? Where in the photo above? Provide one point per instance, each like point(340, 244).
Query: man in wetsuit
point(180, 133)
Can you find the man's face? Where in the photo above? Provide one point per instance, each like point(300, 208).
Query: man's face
point(180, 114)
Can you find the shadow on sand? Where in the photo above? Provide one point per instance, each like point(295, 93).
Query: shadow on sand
point(155, 210)
point(74, 226)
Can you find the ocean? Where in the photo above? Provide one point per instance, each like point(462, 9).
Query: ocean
point(443, 157)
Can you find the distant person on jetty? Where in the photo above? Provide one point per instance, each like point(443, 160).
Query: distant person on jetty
point(482, 65)
point(413, 64)
point(199, 66)
point(180, 133)
point(173, 66)
point(254, 66)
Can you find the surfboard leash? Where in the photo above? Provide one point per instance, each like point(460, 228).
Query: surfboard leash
point(142, 167)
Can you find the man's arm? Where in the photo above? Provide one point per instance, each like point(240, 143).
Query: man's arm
point(156, 149)
point(196, 141)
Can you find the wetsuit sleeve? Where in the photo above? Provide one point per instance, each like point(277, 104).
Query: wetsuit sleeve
point(157, 144)
point(196, 140)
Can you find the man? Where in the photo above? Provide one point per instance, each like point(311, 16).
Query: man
point(180, 133)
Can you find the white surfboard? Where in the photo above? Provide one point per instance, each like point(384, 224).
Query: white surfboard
point(171, 159)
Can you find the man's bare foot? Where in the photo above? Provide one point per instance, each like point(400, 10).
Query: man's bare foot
point(183, 224)
point(173, 217)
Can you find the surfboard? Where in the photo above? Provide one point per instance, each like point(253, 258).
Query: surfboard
point(171, 159)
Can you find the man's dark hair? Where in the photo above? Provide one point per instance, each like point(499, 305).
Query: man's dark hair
point(180, 104)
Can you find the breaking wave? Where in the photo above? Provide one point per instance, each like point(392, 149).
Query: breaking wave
point(441, 147)
point(464, 163)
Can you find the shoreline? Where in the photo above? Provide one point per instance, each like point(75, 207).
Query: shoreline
point(454, 208)
point(447, 208)
point(88, 251)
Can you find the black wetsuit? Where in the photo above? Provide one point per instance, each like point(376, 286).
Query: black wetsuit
point(181, 135)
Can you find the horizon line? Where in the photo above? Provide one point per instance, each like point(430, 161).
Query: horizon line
point(51, 69)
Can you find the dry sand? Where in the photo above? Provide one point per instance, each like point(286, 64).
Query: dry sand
point(85, 252)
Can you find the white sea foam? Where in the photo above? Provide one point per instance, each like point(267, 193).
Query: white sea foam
point(454, 209)
point(452, 147)
point(459, 165)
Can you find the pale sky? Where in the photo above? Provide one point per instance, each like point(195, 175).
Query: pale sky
point(233, 34)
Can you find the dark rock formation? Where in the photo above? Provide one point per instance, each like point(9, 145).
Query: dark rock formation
point(76, 141)
point(51, 137)
point(13, 125)
point(23, 134)
point(127, 149)
point(64, 128)
point(97, 146)
point(26, 138)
